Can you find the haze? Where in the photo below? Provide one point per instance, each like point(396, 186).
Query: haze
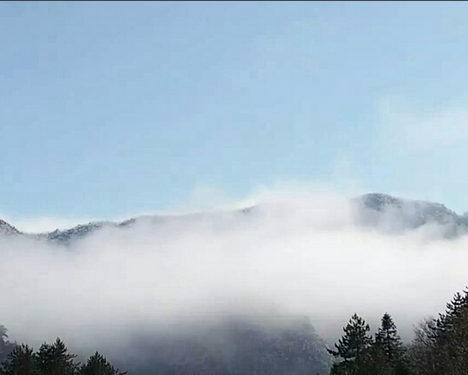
point(301, 254)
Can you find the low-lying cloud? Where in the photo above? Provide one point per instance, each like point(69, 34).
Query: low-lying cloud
point(299, 253)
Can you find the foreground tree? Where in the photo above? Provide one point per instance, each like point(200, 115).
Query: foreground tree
point(21, 361)
point(388, 342)
point(353, 349)
point(55, 359)
point(98, 365)
point(452, 334)
point(387, 339)
point(358, 354)
point(441, 345)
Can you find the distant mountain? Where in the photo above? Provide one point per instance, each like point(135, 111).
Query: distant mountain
point(7, 229)
point(82, 230)
point(233, 347)
point(399, 214)
point(372, 210)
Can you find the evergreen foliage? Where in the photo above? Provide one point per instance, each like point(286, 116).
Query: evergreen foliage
point(387, 339)
point(21, 361)
point(53, 359)
point(98, 365)
point(440, 346)
point(353, 347)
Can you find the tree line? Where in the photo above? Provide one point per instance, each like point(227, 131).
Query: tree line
point(50, 359)
point(440, 346)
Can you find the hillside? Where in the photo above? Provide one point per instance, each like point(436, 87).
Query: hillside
point(376, 210)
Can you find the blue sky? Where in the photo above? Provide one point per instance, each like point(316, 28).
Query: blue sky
point(107, 109)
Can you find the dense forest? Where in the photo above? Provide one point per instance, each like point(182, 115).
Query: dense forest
point(439, 347)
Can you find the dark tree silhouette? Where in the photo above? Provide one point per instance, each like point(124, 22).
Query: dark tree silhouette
point(387, 339)
point(21, 361)
point(55, 359)
point(353, 347)
point(98, 365)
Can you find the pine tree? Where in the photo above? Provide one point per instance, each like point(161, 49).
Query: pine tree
point(387, 339)
point(352, 348)
point(441, 345)
point(389, 343)
point(98, 365)
point(423, 353)
point(55, 359)
point(453, 333)
point(21, 361)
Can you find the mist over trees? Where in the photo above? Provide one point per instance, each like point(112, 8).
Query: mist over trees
point(440, 345)
point(235, 347)
point(50, 359)
point(359, 353)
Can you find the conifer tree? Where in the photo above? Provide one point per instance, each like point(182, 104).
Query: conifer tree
point(452, 334)
point(441, 345)
point(98, 365)
point(353, 347)
point(387, 339)
point(389, 343)
point(55, 359)
point(21, 361)
point(423, 352)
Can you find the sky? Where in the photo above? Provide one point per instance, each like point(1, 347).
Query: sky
point(108, 109)
point(112, 109)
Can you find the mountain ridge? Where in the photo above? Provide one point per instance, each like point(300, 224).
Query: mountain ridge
point(371, 209)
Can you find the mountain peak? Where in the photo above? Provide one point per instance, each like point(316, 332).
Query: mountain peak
point(376, 208)
point(6, 228)
point(379, 201)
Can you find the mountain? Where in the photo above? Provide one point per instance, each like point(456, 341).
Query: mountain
point(231, 347)
point(7, 229)
point(82, 230)
point(377, 210)
point(243, 345)
point(398, 214)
